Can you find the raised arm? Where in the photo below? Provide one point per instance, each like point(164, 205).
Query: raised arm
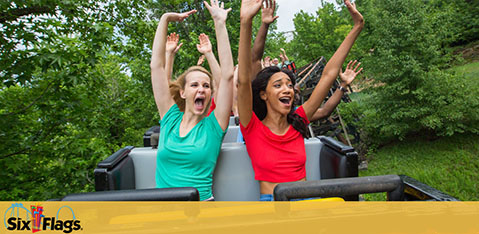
point(201, 60)
point(332, 68)
point(172, 48)
point(267, 18)
point(267, 61)
point(159, 78)
point(206, 50)
point(249, 8)
point(224, 94)
point(284, 57)
point(346, 78)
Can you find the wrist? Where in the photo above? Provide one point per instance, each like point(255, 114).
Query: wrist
point(343, 88)
point(219, 22)
point(207, 54)
point(265, 23)
point(246, 20)
point(167, 16)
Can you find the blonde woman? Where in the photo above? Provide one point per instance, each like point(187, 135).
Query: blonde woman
point(189, 141)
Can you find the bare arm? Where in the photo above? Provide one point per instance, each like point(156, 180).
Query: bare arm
point(159, 78)
point(347, 78)
point(333, 66)
point(285, 57)
point(235, 92)
point(249, 8)
point(224, 94)
point(267, 18)
point(172, 48)
point(201, 60)
point(206, 49)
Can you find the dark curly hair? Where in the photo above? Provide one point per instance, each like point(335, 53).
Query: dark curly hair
point(259, 105)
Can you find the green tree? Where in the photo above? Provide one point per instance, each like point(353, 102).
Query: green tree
point(320, 34)
point(411, 94)
point(63, 107)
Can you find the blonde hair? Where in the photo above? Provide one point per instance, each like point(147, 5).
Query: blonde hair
point(180, 82)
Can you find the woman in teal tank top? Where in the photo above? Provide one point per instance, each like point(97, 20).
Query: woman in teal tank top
point(190, 141)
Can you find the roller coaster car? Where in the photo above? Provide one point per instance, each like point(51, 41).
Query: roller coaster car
point(331, 171)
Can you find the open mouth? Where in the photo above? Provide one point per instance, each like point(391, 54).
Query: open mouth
point(200, 103)
point(285, 100)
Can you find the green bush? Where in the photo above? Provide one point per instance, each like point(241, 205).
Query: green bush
point(411, 93)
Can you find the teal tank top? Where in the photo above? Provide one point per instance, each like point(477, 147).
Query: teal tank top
point(188, 161)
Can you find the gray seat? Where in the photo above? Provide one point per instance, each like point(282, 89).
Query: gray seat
point(233, 178)
point(232, 121)
point(232, 134)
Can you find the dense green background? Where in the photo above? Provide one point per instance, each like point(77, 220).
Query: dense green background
point(76, 79)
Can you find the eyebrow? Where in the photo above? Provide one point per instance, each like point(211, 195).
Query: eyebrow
point(279, 79)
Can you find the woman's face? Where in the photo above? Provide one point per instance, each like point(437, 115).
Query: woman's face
point(275, 61)
point(197, 92)
point(279, 94)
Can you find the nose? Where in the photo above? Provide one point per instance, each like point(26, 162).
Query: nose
point(287, 89)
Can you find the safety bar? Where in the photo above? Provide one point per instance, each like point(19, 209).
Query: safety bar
point(156, 194)
point(343, 187)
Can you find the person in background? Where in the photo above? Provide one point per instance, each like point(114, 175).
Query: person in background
point(347, 78)
point(284, 58)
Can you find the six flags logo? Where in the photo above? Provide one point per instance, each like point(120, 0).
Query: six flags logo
point(38, 220)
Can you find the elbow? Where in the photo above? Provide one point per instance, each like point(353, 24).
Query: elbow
point(330, 74)
point(228, 75)
point(155, 65)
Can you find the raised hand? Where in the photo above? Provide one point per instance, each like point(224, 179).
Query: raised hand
point(267, 61)
point(267, 12)
point(172, 43)
point(201, 60)
point(357, 17)
point(217, 11)
point(349, 74)
point(249, 8)
point(205, 44)
point(181, 16)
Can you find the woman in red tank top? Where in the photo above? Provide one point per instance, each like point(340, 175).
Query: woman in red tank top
point(272, 129)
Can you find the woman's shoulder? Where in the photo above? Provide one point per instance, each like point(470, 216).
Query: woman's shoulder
point(172, 114)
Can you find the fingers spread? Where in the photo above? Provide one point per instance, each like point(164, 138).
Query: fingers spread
point(357, 66)
point(360, 70)
point(207, 5)
point(347, 67)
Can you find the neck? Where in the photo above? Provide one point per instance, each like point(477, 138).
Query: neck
point(276, 122)
point(188, 122)
point(191, 118)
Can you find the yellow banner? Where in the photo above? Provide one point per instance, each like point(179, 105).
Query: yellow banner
point(240, 217)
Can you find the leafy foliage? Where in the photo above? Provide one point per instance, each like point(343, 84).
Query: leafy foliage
point(76, 79)
point(65, 98)
point(411, 94)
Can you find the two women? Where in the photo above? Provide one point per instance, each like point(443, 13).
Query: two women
point(190, 142)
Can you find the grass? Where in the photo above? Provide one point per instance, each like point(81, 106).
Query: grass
point(470, 70)
point(449, 164)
